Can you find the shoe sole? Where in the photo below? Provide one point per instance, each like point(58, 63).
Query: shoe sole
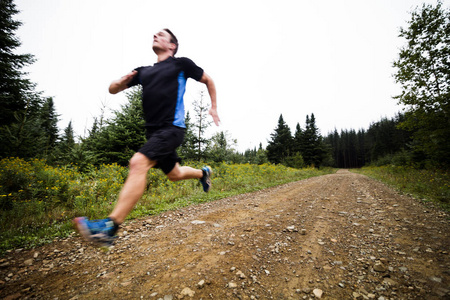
point(82, 230)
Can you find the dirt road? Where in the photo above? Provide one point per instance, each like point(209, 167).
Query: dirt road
point(340, 236)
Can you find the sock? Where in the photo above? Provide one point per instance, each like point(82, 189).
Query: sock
point(115, 227)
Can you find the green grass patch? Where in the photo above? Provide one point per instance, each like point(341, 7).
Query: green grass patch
point(38, 202)
point(426, 185)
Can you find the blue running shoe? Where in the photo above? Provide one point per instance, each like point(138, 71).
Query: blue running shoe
point(206, 179)
point(100, 232)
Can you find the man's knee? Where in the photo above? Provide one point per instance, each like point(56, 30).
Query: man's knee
point(140, 162)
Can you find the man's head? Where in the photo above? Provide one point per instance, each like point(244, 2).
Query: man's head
point(165, 40)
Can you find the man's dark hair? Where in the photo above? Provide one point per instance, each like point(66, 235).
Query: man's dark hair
point(173, 40)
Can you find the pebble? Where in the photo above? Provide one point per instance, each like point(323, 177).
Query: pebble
point(198, 222)
point(436, 279)
point(201, 284)
point(241, 275)
point(379, 267)
point(187, 292)
point(390, 282)
point(318, 293)
point(28, 262)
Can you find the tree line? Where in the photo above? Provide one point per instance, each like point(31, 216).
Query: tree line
point(419, 136)
point(383, 143)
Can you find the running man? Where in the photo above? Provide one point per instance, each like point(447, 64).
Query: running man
point(163, 87)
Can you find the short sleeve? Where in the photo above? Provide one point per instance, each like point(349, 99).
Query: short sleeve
point(136, 79)
point(190, 69)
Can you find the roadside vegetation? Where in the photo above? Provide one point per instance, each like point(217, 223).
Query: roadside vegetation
point(426, 185)
point(39, 201)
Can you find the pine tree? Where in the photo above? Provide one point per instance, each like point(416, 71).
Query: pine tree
point(20, 105)
point(222, 148)
point(49, 125)
point(63, 152)
point(187, 149)
point(261, 155)
point(297, 141)
point(280, 145)
point(121, 136)
point(313, 150)
point(309, 140)
point(16, 92)
point(67, 140)
point(22, 138)
point(200, 125)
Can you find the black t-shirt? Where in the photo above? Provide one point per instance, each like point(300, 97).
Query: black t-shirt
point(163, 86)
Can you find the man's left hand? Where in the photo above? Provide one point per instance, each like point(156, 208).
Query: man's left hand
point(215, 116)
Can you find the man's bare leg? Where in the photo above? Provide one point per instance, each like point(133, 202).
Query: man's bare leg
point(103, 231)
point(184, 172)
point(180, 173)
point(133, 188)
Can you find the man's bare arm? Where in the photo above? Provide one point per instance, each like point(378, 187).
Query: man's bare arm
point(122, 83)
point(206, 79)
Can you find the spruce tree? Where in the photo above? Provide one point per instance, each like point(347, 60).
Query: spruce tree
point(49, 125)
point(313, 150)
point(187, 149)
point(222, 148)
point(63, 153)
point(16, 92)
point(297, 141)
point(280, 145)
point(121, 136)
point(261, 155)
point(200, 125)
point(67, 140)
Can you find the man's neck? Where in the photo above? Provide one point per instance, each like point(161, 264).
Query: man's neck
point(163, 56)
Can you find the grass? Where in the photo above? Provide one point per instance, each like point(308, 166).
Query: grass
point(427, 185)
point(38, 202)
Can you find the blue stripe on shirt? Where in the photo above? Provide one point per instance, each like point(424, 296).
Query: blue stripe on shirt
point(179, 109)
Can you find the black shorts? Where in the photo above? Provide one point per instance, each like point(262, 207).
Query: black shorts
point(161, 146)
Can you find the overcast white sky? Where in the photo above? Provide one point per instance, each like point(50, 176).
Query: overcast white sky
point(291, 57)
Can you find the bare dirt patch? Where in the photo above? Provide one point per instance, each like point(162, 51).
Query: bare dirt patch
point(339, 236)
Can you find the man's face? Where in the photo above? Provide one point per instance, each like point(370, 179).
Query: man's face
point(161, 42)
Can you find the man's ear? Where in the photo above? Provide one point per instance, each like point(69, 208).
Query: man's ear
point(172, 46)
